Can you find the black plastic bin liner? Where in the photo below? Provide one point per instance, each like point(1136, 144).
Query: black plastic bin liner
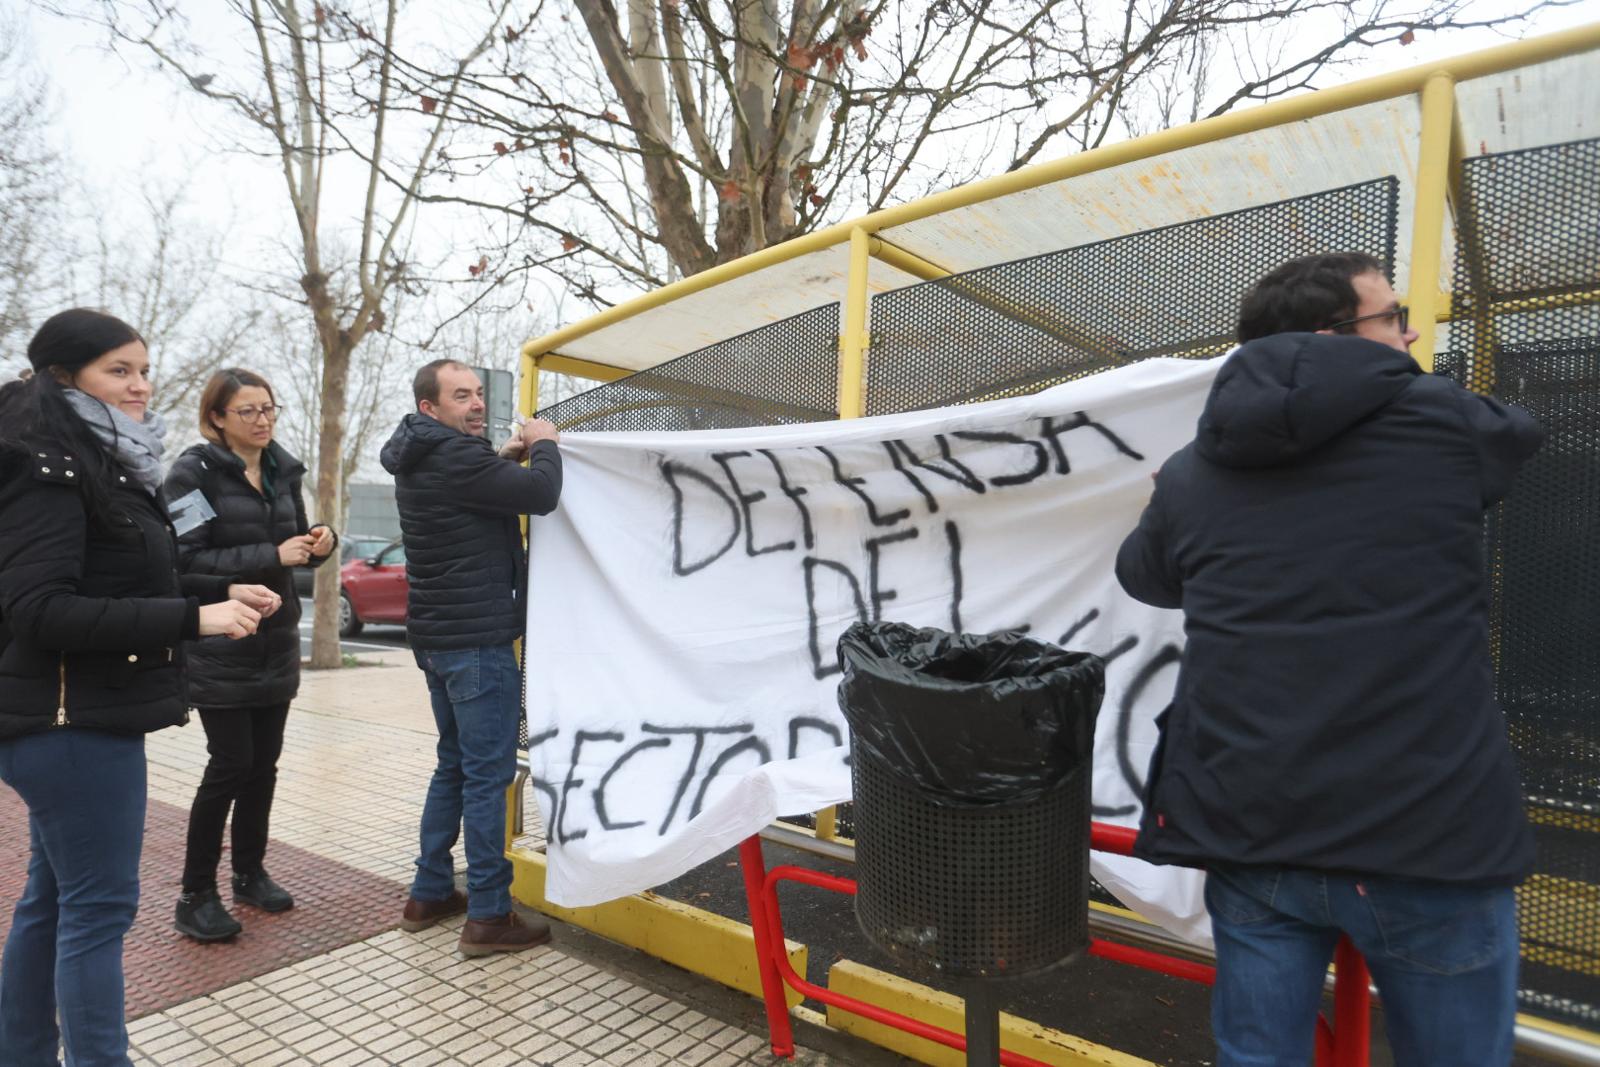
point(971, 761)
point(969, 718)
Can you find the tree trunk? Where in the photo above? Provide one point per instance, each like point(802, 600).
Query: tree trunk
point(671, 198)
point(336, 347)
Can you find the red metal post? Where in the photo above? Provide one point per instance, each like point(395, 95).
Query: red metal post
point(927, 1031)
point(754, 867)
point(1345, 1044)
point(1103, 837)
point(1324, 1056)
point(1153, 961)
point(1352, 1007)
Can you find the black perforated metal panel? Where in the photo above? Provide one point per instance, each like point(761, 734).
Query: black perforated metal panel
point(785, 372)
point(1527, 328)
point(997, 890)
point(1015, 328)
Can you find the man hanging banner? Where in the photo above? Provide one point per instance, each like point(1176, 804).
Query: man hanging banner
point(685, 601)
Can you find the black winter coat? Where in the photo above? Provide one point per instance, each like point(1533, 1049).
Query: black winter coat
point(459, 503)
point(92, 618)
point(1335, 706)
point(243, 540)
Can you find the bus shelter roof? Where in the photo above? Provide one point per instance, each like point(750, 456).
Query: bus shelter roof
point(1531, 93)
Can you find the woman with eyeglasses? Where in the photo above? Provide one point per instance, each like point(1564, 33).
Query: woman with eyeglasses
point(95, 616)
point(240, 492)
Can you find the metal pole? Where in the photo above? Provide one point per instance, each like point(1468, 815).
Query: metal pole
point(528, 387)
point(852, 386)
point(754, 867)
point(1427, 227)
point(983, 1028)
point(828, 823)
point(853, 339)
point(527, 403)
point(1352, 1008)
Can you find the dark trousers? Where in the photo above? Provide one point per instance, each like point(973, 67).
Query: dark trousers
point(477, 704)
point(1444, 958)
point(85, 791)
point(244, 744)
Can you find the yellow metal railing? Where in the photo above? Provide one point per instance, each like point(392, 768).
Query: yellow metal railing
point(1437, 203)
point(1428, 219)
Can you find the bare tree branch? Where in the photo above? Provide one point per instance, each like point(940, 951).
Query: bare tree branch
point(306, 90)
point(694, 132)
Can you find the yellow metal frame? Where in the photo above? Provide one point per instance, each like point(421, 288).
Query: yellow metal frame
point(1437, 196)
point(853, 342)
point(699, 941)
point(944, 1010)
point(909, 262)
point(1467, 252)
point(556, 363)
point(1428, 221)
point(853, 338)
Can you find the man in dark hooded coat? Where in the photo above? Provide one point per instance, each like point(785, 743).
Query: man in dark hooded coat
point(1334, 757)
point(459, 504)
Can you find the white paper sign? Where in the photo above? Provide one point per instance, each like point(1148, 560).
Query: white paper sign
point(190, 510)
point(686, 598)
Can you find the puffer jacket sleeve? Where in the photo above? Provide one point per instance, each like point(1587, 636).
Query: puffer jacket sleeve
point(1504, 437)
point(196, 553)
point(1146, 568)
point(207, 588)
point(483, 481)
point(43, 531)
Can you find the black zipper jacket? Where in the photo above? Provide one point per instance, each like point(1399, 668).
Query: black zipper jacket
point(242, 541)
point(1335, 705)
point(459, 503)
point(92, 619)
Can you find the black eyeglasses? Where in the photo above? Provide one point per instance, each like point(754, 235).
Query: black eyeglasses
point(1400, 313)
point(254, 414)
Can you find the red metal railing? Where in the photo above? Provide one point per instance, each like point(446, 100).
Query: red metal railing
point(1345, 1043)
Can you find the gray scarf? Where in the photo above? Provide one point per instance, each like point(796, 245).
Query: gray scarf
point(135, 445)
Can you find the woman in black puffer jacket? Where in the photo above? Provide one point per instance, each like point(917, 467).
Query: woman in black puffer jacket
point(242, 689)
point(93, 619)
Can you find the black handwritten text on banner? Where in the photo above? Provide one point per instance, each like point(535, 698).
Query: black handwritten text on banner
point(685, 602)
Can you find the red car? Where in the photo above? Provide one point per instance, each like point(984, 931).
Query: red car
point(373, 590)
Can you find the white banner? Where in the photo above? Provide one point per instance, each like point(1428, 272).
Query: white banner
point(686, 598)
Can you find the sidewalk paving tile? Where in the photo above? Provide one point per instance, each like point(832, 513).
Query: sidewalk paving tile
point(333, 981)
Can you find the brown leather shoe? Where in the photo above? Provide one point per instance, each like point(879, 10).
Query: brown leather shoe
point(421, 914)
point(505, 934)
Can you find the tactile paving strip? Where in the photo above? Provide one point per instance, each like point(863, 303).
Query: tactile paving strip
point(335, 905)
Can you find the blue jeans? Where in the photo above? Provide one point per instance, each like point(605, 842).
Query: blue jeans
point(1444, 958)
point(477, 704)
point(85, 791)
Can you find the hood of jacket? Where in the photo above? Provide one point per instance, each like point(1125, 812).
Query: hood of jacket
point(1278, 398)
point(415, 437)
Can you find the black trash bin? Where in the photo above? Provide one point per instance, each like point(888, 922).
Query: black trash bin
point(971, 760)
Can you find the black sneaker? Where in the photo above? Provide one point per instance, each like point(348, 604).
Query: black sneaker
point(200, 915)
point(260, 891)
